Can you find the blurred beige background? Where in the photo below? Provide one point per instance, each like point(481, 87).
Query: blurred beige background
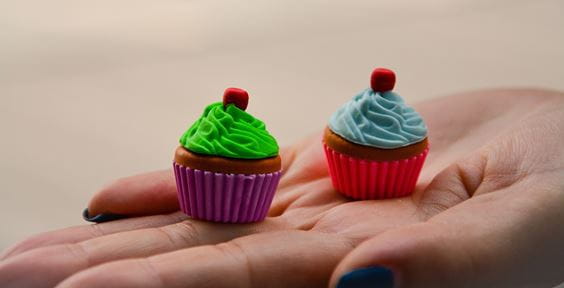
point(94, 90)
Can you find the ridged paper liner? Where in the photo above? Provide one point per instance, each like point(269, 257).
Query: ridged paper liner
point(366, 179)
point(219, 197)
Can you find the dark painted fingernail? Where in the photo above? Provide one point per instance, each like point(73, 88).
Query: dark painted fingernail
point(370, 277)
point(104, 217)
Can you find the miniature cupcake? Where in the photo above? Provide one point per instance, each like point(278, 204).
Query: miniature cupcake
point(375, 144)
point(227, 166)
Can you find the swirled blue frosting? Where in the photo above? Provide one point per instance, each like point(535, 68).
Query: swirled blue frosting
point(378, 119)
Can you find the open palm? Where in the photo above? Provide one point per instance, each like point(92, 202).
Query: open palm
point(479, 171)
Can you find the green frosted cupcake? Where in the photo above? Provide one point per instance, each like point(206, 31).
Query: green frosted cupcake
point(227, 166)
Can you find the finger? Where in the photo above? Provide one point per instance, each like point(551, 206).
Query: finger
point(307, 164)
point(85, 232)
point(304, 174)
point(24, 269)
point(475, 244)
point(144, 194)
point(277, 259)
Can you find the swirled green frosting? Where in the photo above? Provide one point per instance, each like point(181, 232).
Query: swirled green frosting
point(229, 132)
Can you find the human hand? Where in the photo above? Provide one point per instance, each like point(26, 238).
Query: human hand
point(487, 196)
point(492, 218)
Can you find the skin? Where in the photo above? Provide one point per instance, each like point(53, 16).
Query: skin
point(488, 212)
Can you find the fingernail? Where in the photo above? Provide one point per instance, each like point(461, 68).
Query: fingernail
point(104, 217)
point(370, 277)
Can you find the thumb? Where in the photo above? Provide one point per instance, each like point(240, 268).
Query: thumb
point(416, 256)
point(464, 248)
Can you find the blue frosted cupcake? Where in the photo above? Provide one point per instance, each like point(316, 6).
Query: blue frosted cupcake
point(375, 144)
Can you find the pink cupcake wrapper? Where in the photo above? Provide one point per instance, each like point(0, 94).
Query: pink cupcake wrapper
point(366, 179)
point(220, 197)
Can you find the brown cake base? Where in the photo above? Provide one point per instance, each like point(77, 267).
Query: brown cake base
point(346, 147)
point(227, 165)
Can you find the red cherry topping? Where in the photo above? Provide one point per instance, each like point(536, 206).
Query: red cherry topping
point(382, 80)
point(236, 96)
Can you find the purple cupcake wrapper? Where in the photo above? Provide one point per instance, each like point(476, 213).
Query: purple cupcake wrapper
point(228, 198)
